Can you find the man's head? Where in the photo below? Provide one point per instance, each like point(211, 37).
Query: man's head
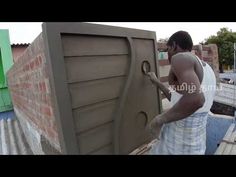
point(180, 41)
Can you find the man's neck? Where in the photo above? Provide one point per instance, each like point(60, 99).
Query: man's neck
point(181, 50)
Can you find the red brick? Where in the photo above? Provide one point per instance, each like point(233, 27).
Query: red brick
point(36, 63)
point(27, 67)
point(32, 65)
point(40, 59)
point(49, 100)
point(44, 98)
point(43, 86)
point(47, 111)
point(51, 133)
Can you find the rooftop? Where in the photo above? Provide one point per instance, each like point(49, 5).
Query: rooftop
point(12, 140)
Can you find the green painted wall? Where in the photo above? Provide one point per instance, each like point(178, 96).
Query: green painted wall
point(6, 61)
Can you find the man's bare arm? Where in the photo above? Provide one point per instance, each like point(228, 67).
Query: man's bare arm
point(160, 85)
point(183, 68)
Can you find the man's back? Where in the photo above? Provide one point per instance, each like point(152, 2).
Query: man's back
point(206, 78)
point(188, 135)
point(182, 128)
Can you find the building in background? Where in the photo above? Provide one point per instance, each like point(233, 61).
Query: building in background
point(6, 62)
point(18, 49)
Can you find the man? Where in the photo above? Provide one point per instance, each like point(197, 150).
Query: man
point(182, 129)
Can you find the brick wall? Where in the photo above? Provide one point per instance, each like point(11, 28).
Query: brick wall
point(208, 53)
point(17, 50)
point(28, 82)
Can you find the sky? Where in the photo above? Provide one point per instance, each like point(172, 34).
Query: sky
point(21, 32)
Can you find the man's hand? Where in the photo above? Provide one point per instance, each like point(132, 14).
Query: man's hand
point(159, 84)
point(155, 126)
point(153, 77)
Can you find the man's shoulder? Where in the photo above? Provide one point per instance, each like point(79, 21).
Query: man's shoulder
point(182, 58)
point(184, 55)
